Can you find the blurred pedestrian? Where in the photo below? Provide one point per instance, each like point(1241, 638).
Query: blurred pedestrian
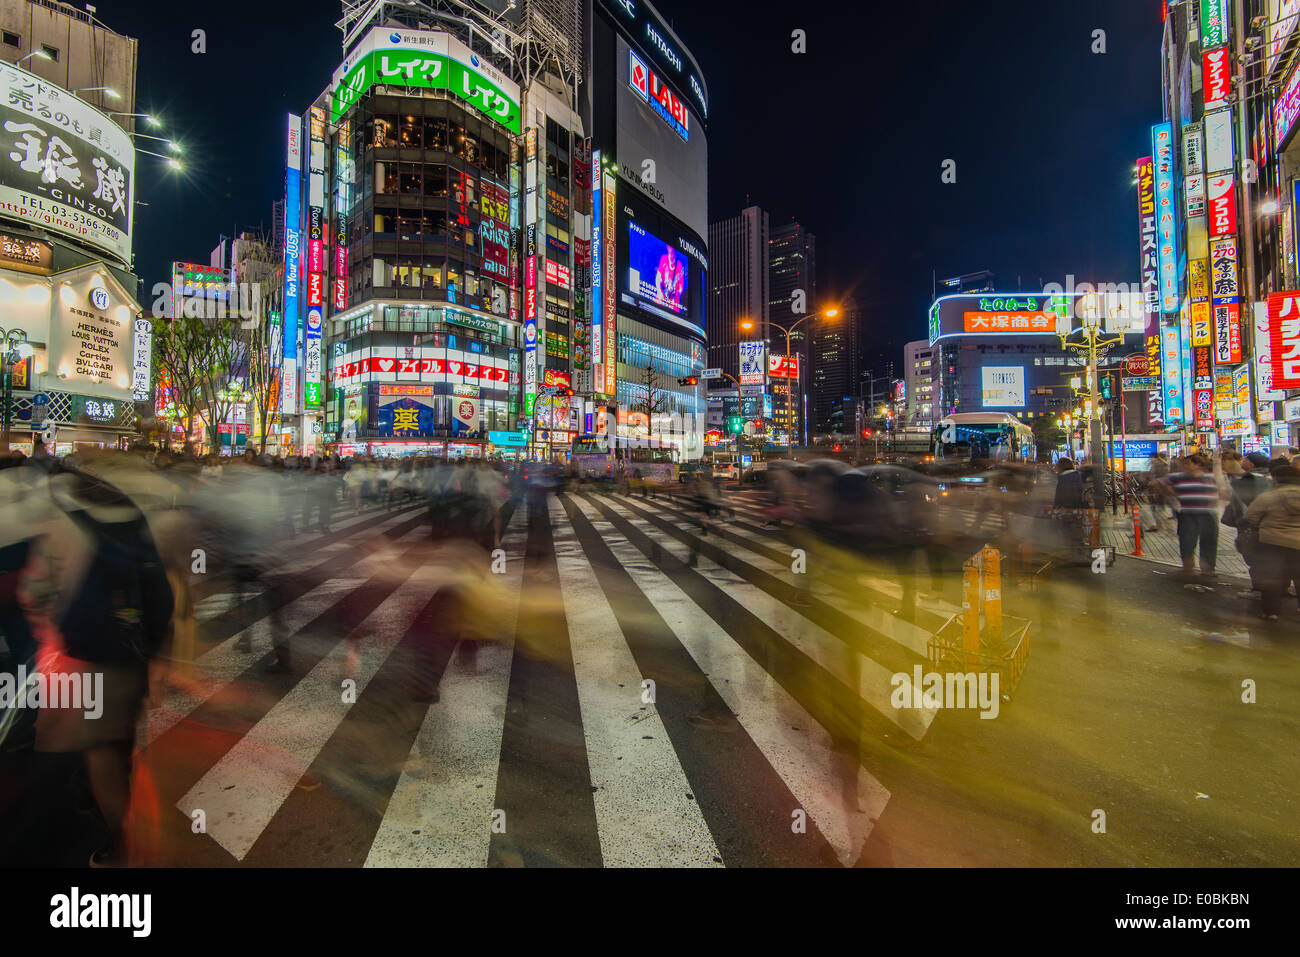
point(1276, 515)
point(1198, 495)
point(1069, 485)
point(105, 608)
point(1251, 479)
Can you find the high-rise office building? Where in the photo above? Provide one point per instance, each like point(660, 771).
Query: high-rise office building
point(836, 370)
point(738, 286)
point(792, 295)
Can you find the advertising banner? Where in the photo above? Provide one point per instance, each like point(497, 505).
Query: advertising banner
point(1216, 77)
point(1223, 270)
point(1171, 373)
point(1203, 386)
point(1264, 390)
point(1166, 215)
point(1149, 271)
point(783, 367)
point(292, 241)
point(654, 123)
point(597, 272)
point(1284, 338)
point(611, 367)
point(1218, 141)
point(66, 167)
point(1227, 332)
point(141, 356)
point(752, 371)
point(425, 59)
point(1222, 199)
point(1003, 387)
point(1214, 23)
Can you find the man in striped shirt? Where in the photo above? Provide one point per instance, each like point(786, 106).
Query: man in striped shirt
point(1197, 494)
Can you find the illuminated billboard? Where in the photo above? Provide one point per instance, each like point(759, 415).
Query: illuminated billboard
point(1003, 387)
point(425, 59)
point(657, 271)
point(67, 167)
point(657, 135)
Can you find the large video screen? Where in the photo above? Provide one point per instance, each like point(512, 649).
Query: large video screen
point(657, 271)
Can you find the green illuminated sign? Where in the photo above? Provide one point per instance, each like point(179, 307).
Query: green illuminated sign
point(1214, 24)
point(311, 395)
point(430, 70)
point(470, 322)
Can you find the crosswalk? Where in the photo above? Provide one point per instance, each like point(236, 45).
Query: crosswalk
point(615, 687)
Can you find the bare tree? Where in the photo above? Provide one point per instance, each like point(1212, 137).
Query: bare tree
point(261, 268)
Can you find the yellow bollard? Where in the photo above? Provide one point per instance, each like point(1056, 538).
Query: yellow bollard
point(991, 594)
point(970, 607)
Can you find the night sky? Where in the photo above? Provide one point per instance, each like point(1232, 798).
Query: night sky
point(848, 137)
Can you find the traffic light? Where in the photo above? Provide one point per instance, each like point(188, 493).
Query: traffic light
point(1105, 387)
point(689, 380)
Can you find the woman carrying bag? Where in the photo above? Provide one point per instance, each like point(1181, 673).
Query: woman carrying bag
point(1275, 514)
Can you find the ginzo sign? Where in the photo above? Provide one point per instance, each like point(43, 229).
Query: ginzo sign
point(64, 166)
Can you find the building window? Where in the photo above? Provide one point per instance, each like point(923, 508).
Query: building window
point(12, 39)
point(51, 52)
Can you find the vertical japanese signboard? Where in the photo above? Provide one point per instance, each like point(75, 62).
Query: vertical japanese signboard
point(315, 256)
point(342, 207)
point(1284, 338)
point(611, 366)
point(1149, 270)
point(1264, 389)
point(530, 271)
point(292, 242)
point(1162, 141)
point(1225, 300)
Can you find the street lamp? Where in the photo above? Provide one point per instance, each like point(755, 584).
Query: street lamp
point(40, 54)
point(171, 161)
point(748, 324)
point(1092, 343)
point(16, 348)
point(171, 145)
point(147, 117)
point(106, 90)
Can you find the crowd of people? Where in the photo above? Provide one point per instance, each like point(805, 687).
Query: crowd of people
point(100, 552)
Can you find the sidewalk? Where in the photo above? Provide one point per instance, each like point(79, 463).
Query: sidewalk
point(1162, 546)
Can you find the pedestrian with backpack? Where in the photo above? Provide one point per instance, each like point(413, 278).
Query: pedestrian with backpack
point(102, 606)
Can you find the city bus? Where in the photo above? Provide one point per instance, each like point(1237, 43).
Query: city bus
point(966, 437)
point(597, 457)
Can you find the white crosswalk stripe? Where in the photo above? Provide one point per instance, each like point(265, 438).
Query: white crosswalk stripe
point(440, 802)
point(642, 812)
point(797, 747)
point(439, 812)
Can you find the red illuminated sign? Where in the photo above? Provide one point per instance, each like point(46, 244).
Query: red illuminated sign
point(783, 367)
point(1010, 322)
point(1222, 205)
point(1215, 76)
point(557, 273)
point(1284, 338)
